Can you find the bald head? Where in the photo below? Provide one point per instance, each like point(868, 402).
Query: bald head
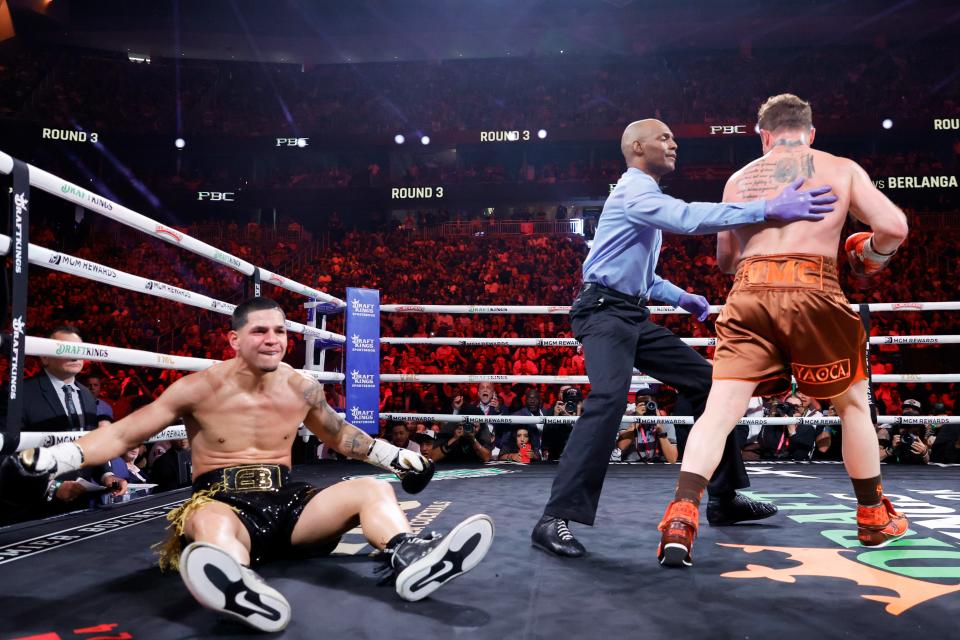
point(636, 131)
point(649, 146)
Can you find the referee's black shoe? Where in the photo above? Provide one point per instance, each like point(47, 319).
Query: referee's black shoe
point(552, 535)
point(734, 508)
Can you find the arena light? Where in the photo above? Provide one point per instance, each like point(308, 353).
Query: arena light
point(542, 134)
point(887, 123)
point(425, 140)
point(399, 139)
point(179, 143)
point(757, 128)
point(301, 142)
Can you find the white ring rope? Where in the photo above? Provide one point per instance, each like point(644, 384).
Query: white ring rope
point(472, 379)
point(31, 439)
point(454, 417)
point(54, 185)
point(66, 263)
point(134, 357)
point(654, 310)
point(571, 342)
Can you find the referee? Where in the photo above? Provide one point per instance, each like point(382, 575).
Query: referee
point(610, 318)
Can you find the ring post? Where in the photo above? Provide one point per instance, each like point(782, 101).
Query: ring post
point(20, 243)
point(362, 374)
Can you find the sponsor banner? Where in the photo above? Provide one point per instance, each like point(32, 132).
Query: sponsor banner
point(32, 547)
point(363, 359)
point(19, 245)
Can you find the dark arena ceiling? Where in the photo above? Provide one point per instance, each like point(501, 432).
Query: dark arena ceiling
point(300, 31)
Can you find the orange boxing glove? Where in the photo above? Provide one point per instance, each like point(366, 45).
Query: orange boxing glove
point(863, 258)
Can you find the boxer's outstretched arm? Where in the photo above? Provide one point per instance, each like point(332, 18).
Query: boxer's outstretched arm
point(116, 438)
point(332, 429)
point(869, 205)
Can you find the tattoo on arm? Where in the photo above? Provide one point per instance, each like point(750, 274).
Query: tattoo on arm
point(358, 445)
point(313, 394)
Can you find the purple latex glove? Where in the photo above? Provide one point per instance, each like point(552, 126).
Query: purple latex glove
point(791, 205)
point(696, 305)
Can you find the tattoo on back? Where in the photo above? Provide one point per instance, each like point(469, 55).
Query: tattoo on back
point(758, 180)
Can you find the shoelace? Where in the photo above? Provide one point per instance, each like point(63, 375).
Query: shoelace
point(563, 531)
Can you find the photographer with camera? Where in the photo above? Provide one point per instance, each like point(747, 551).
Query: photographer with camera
point(647, 442)
point(555, 436)
point(790, 442)
point(910, 444)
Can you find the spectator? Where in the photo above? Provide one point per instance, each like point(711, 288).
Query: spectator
point(519, 448)
point(104, 409)
point(647, 442)
point(174, 469)
point(53, 400)
point(470, 443)
point(555, 436)
point(487, 404)
point(793, 442)
point(532, 406)
point(399, 436)
point(910, 442)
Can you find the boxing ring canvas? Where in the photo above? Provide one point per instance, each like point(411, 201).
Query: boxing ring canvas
point(796, 575)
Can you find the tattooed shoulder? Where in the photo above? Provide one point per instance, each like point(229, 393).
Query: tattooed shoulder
point(313, 393)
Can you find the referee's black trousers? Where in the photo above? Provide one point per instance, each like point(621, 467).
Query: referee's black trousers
point(618, 336)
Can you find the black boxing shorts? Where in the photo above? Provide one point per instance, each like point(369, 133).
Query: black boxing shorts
point(267, 503)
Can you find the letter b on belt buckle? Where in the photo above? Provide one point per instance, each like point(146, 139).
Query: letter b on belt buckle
point(252, 478)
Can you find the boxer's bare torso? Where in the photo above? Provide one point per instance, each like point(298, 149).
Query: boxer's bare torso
point(764, 178)
point(245, 410)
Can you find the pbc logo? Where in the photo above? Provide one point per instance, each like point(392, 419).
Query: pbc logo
point(727, 129)
point(216, 196)
point(293, 142)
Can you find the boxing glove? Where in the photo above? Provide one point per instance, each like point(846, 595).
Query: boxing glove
point(413, 469)
point(863, 258)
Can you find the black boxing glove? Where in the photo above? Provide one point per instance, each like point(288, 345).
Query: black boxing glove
point(414, 471)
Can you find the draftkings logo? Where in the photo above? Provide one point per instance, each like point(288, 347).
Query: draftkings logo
point(361, 415)
point(902, 575)
point(363, 345)
point(363, 309)
point(363, 380)
point(19, 326)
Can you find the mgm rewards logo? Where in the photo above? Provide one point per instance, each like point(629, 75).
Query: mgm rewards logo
point(898, 575)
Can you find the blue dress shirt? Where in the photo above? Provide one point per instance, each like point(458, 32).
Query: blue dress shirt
point(627, 243)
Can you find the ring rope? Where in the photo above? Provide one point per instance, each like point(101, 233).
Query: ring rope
point(571, 342)
point(135, 357)
point(638, 379)
point(654, 310)
point(56, 186)
point(31, 439)
point(488, 419)
point(66, 263)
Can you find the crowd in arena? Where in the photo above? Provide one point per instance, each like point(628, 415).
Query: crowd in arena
point(521, 270)
point(515, 93)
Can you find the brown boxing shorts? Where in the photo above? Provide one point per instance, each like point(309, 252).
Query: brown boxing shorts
point(786, 315)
